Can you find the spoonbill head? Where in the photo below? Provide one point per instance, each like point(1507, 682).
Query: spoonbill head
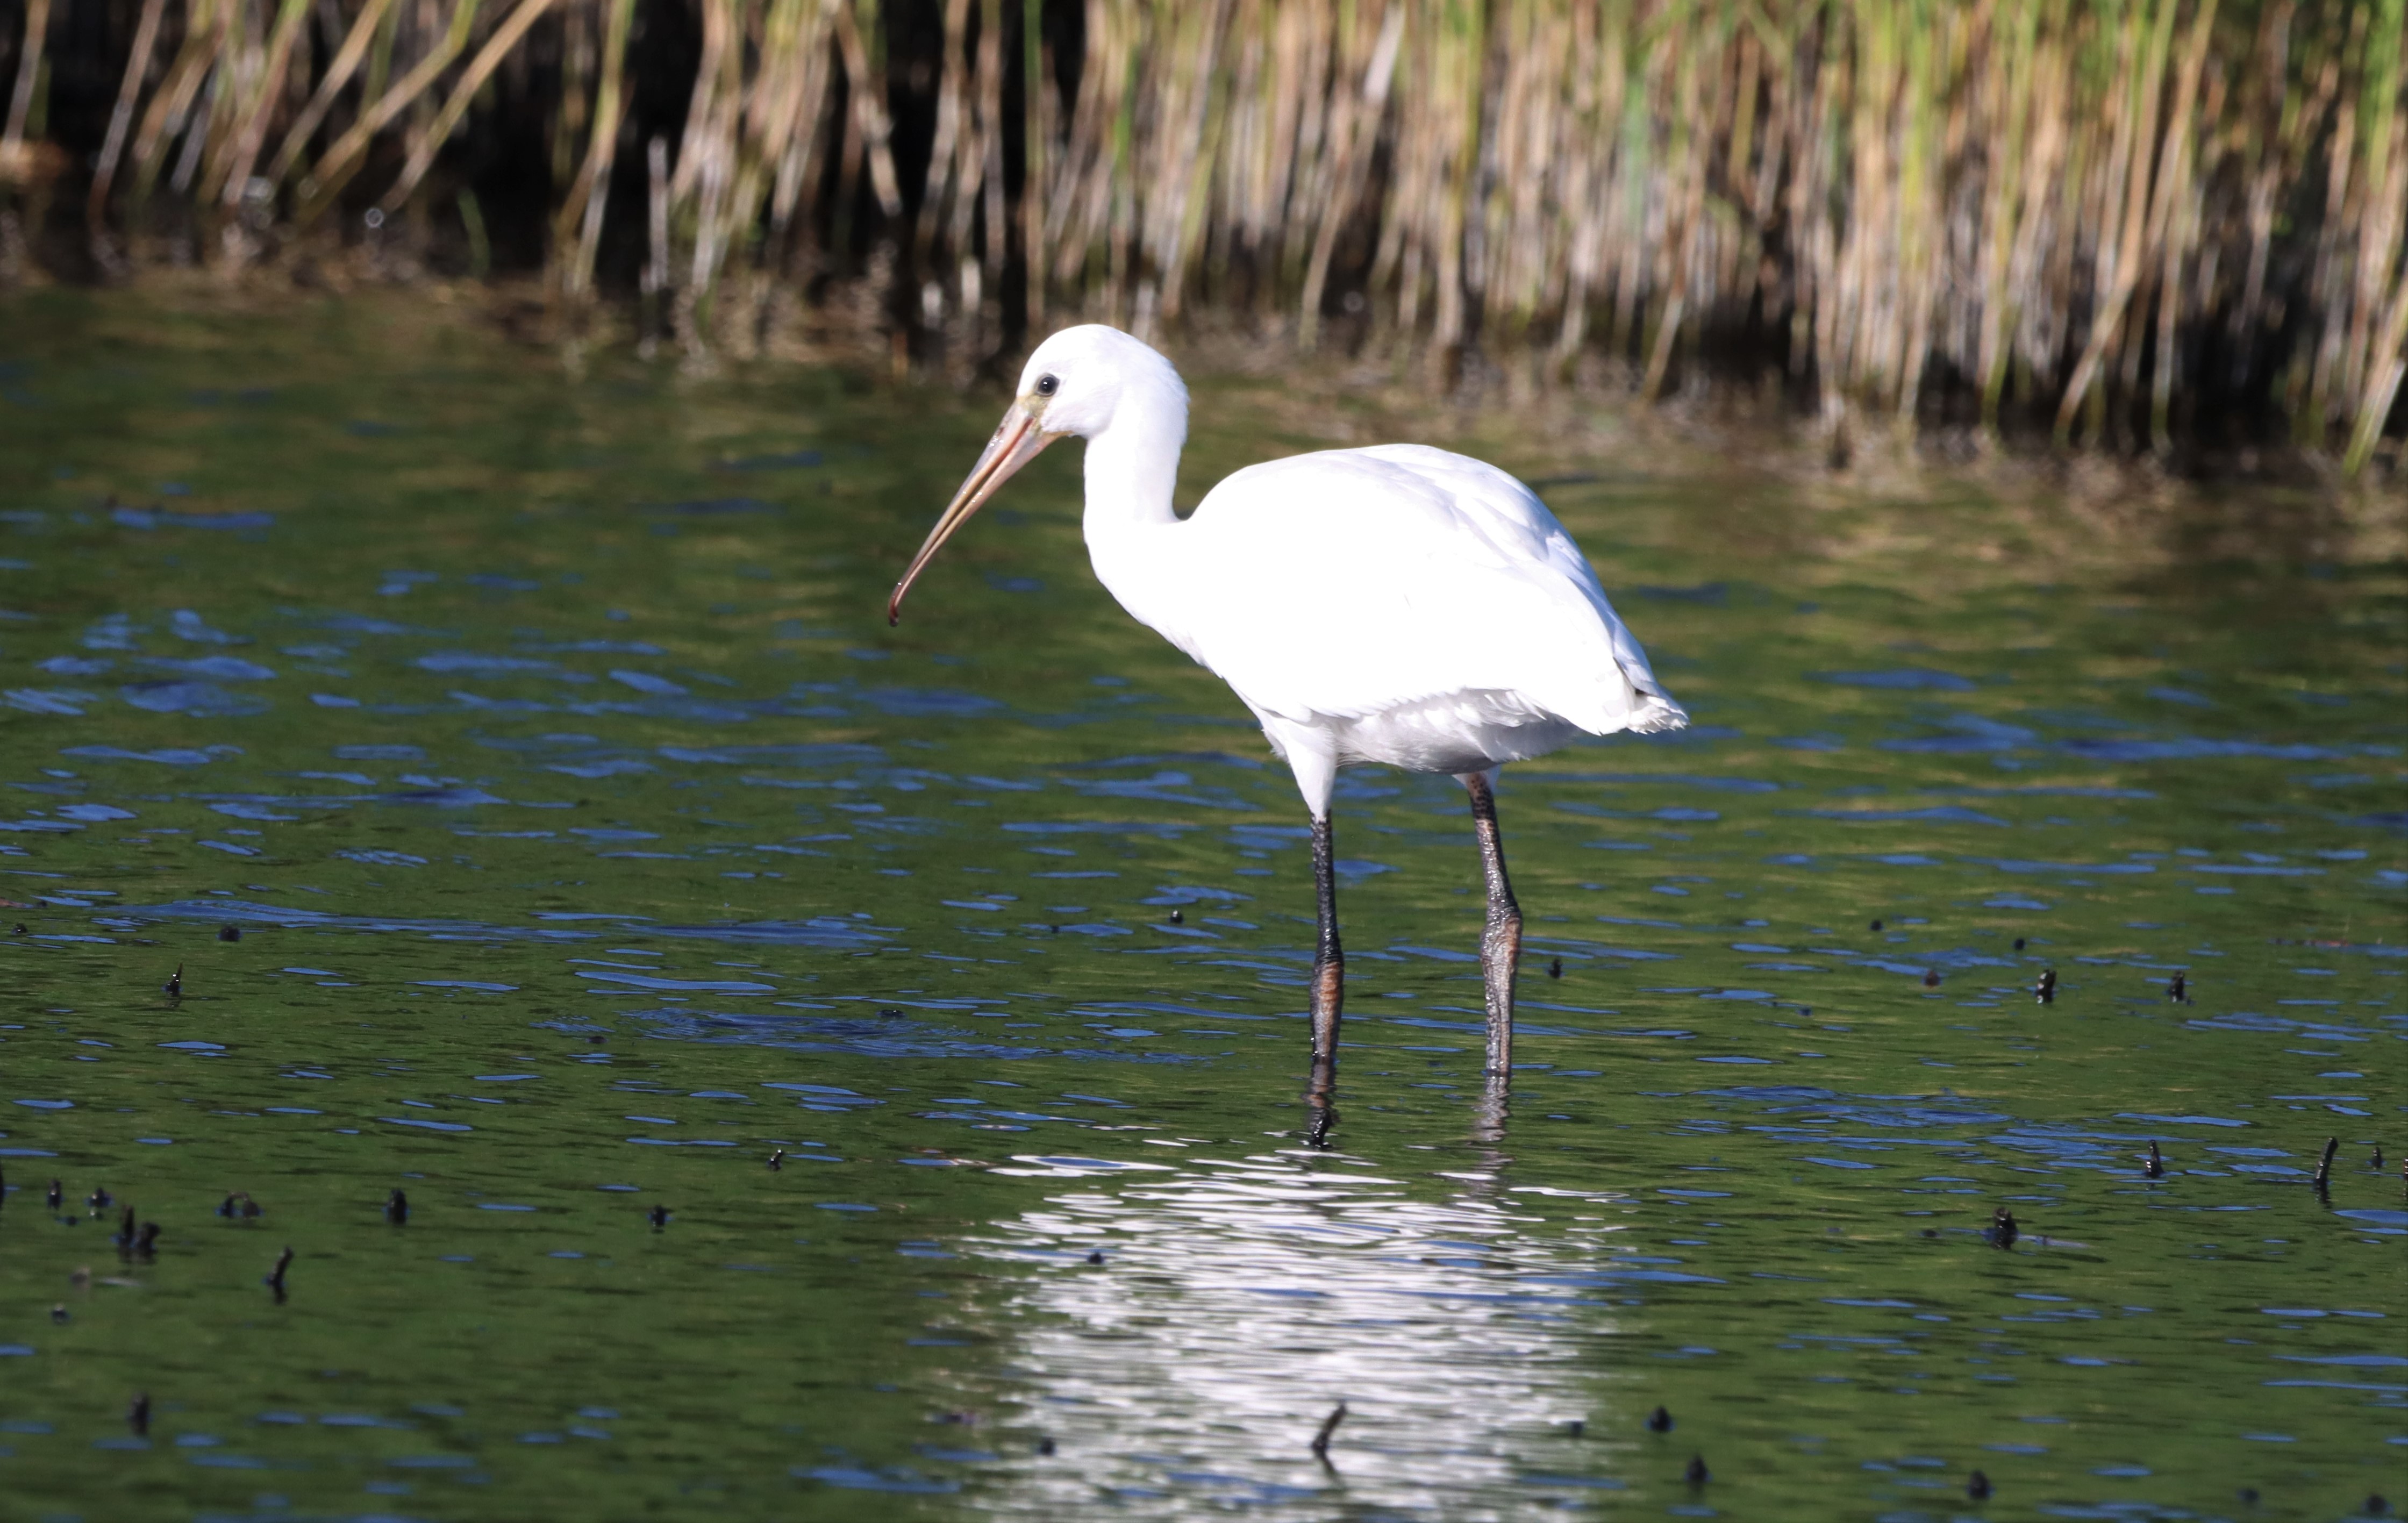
point(1400, 605)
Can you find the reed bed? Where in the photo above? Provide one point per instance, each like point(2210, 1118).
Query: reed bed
point(2128, 223)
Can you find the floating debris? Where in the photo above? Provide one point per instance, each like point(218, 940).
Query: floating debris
point(125, 1231)
point(1045, 1445)
point(2044, 992)
point(137, 1414)
point(229, 933)
point(396, 1208)
point(1977, 1485)
point(57, 1195)
point(2157, 1166)
point(2019, 943)
point(98, 1201)
point(2178, 992)
point(1328, 1427)
point(2004, 1230)
point(1555, 967)
point(1095, 1256)
point(776, 1159)
point(1575, 1428)
point(147, 1245)
point(1659, 1421)
point(1931, 978)
point(239, 1205)
point(2323, 1181)
point(60, 1316)
point(1876, 924)
point(275, 1280)
point(658, 1216)
point(1697, 1475)
point(173, 987)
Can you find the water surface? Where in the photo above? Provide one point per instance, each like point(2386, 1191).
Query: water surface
point(516, 766)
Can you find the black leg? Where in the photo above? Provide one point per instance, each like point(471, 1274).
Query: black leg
point(1328, 986)
point(1500, 944)
point(1489, 1118)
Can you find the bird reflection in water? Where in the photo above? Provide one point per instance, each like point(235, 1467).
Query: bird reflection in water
point(1244, 1298)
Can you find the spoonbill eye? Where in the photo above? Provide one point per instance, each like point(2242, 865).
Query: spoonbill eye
point(1047, 385)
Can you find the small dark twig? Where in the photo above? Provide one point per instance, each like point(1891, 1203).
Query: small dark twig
point(2323, 1166)
point(275, 1281)
point(1328, 1427)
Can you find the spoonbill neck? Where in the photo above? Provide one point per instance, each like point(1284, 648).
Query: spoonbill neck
point(1133, 464)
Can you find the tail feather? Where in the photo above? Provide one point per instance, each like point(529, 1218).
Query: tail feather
point(1655, 715)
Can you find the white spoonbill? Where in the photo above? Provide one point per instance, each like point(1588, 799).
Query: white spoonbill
point(1397, 604)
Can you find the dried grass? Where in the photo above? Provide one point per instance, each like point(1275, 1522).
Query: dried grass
point(2124, 220)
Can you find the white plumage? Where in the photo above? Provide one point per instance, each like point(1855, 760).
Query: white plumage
point(1421, 610)
point(1400, 605)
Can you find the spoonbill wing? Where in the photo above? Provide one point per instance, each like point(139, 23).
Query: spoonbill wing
point(1349, 582)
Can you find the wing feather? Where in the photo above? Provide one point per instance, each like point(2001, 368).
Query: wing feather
point(1352, 582)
